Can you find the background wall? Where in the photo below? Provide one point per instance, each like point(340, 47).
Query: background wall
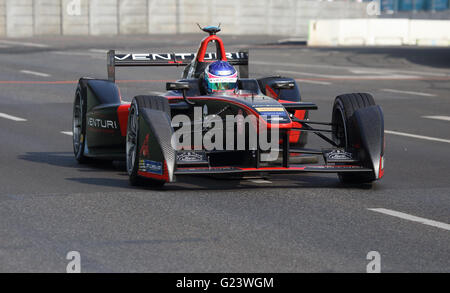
point(23, 18)
point(2, 18)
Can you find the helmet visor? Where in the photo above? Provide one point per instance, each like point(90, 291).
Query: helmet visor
point(222, 86)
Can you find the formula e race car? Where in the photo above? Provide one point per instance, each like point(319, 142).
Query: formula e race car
point(222, 122)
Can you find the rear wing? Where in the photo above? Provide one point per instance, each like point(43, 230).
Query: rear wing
point(170, 59)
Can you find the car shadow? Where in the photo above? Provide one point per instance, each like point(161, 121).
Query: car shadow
point(119, 177)
point(66, 159)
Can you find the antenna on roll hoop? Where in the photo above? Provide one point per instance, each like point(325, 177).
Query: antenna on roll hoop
point(211, 30)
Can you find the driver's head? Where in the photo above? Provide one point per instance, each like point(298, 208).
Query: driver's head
point(220, 77)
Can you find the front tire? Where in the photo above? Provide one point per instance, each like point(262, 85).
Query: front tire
point(345, 132)
point(132, 138)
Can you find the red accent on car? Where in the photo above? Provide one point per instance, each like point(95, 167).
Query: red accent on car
point(294, 136)
point(122, 114)
point(271, 93)
point(204, 46)
point(144, 152)
point(299, 114)
point(381, 170)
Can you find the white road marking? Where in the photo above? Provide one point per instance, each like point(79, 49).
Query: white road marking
point(409, 217)
point(35, 73)
point(75, 53)
point(313, 81)
point(417, 136)
point(408, 93)
point(445, 118)
point(67, 133)
point(10, 117)
point(24, 44)
point(261, 181)
point(304, 73)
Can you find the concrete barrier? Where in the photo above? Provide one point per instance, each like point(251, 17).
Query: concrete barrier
point(162, 17)
point(379, 32)
point(429, 33)
point(47, 17)
point(19, 18)
point(103, 18)
point(387, 32)
point(22, 18)
point(75, 17)
point(133, 17)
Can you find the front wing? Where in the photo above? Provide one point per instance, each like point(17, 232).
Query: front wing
point(280, 170)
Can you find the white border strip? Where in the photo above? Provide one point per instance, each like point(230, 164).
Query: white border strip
point(412, 218)
point(408, 93)
point(24, 44)
point(313, 81)
point(35, 73)
point(417, 136)
point(67, 133)
point(10, 117)
point(444, 118)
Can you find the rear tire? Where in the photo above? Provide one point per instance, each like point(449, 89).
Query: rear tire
point(345, 132)
point(132, 138)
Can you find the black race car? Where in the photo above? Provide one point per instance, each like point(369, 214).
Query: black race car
point(147, 132)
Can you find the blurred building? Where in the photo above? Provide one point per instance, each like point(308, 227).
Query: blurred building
point(415, 9)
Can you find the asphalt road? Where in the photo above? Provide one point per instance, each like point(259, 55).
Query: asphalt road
point(50, 205)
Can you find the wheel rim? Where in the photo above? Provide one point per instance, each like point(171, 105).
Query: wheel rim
point(131, 140)
point(77, 123)
point(340, 132)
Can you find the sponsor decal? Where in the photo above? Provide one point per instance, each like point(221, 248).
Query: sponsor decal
point(148, 166)
point(219, 79)
point(273, 113)
point(191, 157)
point(339, 155)
point(206, 170)
point(334, 166)
point(270, 109)
point(175, 56)
point(101, 123)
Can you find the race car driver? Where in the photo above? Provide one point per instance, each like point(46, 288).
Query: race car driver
point(220, 78)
